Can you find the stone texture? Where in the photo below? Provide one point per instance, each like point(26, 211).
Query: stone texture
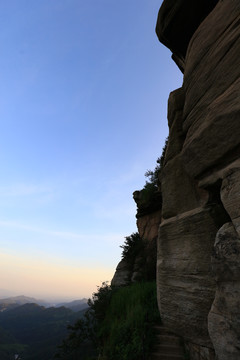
point(148, 220)
point(148, 225)
point(177, 22)
point(186, 286)
point(176, 138)
point(200, 179)
point(224, 317)
point(197, 352)
point(147, 201)
point(217, 135)
point(175, 104)
point(174, 178)
point(137, 270)
point(230, 196)
point(212, 91)
point(211, 178)
point(198, 260)
point(122, 274)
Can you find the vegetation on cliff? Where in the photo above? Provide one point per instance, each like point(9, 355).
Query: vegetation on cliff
point(149, 199)
point(118, 324)
point(33, 331)
point(153, 175)
point(140, 255)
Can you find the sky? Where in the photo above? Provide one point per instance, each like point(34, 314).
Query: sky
point(83, 115)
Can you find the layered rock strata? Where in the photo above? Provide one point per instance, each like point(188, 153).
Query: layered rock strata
point(198, 268)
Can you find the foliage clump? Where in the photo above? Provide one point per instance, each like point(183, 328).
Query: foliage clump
point(153, 175)
point(118, 324)
point(150, 197)
point(133, 246)
point(140, 256)
point(126, 332)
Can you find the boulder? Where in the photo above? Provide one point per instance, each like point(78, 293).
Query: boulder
point(122, 274)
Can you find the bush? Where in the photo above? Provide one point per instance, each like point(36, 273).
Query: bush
point(153, 176)
point(118, 325)
point(126, 332)
point(141, 257)
point(132, 246)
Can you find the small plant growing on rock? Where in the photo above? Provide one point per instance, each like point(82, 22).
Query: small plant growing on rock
point(153, 175)
point(132, 246)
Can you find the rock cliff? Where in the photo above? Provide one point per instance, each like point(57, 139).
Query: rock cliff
point(195, 215)
point(198, 267)
point(143, 265)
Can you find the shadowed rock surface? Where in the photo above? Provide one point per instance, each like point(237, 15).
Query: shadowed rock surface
point(148, 219)
point(195, 214)
point(198, 287)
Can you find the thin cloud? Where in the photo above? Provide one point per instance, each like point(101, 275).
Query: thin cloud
point(62, 234)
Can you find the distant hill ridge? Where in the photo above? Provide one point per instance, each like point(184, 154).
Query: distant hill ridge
point(16, 301)
point(21, 299)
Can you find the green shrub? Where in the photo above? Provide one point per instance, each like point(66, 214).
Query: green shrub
point(153, 176)
point(126, 332)
point(118, 325)
point(133, 245)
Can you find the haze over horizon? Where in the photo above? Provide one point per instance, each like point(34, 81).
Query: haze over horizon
point(48, 301)
point(84, 89)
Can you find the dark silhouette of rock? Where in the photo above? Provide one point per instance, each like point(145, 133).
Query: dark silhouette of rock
point(177, 22)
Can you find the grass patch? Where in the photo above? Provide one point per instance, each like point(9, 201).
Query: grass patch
point(127, 330)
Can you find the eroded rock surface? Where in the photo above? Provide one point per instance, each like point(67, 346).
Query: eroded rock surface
point(224, 317)
point(177, 22)
point(122, 274)
point(198, 289)
point(186, 286)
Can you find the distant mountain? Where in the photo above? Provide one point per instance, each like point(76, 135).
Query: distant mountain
point(15, 301)
point(76, 305)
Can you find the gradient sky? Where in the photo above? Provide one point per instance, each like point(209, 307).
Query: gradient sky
point(83, 108)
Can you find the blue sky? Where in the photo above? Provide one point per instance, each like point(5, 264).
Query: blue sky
point(83, 108)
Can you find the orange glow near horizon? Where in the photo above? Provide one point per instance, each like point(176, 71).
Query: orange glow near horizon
point(45, 279)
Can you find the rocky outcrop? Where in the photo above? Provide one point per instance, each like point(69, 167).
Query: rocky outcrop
point(198, 287)
point(143, 266)
point(122, 275)
point(177, 22)
point(148, 222)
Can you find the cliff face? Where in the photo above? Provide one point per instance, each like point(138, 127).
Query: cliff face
point(198, 271)
point(143, 266)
